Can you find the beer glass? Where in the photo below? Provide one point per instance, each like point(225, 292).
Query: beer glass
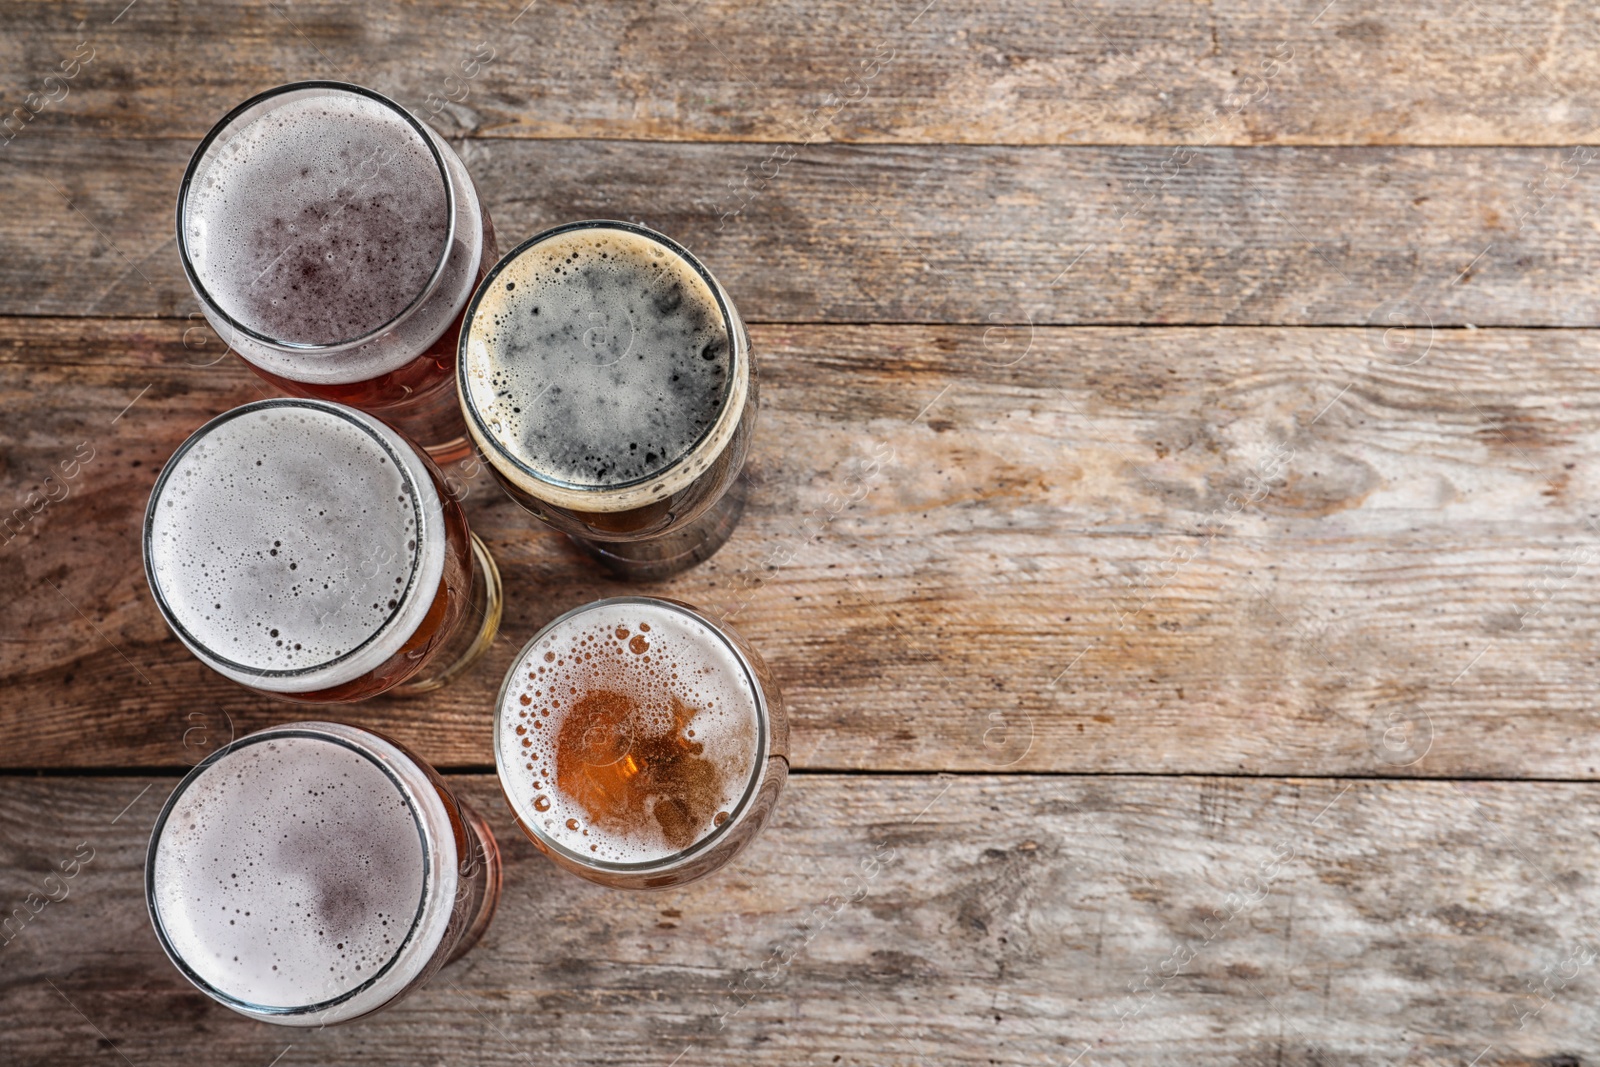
point(313, 873)
point(306, 550)
point(607, 379)
point(333, 240)
point(640, 742)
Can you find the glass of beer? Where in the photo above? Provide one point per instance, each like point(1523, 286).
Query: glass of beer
point(308, 551)
point(333, 241)
point(640, 742)
point(607, 379)
point(313, 873)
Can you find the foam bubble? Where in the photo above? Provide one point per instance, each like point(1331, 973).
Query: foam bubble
point(627, 733)
point(295, 544)
point(319, 220)
point(290, 872)
point(598, 357)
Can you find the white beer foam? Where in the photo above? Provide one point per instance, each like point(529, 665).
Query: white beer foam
point(598, 358)
point(320, 217)
point(296, 544)
point(290, 872)
point(318, 221)
point(686, 659)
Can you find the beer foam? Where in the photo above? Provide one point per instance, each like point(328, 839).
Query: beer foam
point(295, 544)
point(628, 732)
point(598, 358)
point(319, 220)
point(290, 872)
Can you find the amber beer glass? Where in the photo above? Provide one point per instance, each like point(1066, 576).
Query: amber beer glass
point(640, 742)
point(607, 379)
point(308, 551)
point(313, 873)
point(333, 241)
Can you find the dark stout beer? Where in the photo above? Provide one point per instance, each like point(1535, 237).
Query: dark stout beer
point(607, 379)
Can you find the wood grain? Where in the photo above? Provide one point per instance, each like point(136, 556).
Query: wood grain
point(1255, 551)
point(957, 71)
point(1091, 235)
point(911, 920)
point(1149, 390)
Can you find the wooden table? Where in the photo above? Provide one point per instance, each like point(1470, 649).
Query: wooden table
point(1174, 524)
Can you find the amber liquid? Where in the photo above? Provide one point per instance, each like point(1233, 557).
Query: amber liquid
point(612, 761)
point(609, 765)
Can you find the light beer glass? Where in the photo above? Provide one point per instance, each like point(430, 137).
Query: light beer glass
point(333, 241)
point(314, 873)
point(308, 551)
point(640, 742)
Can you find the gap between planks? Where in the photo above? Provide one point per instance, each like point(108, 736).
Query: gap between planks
point(463, 770)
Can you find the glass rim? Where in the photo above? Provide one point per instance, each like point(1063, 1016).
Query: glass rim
point(475, 418)
point(350, 415)
point(738, 811)
point(308, 730)
point(209, 301)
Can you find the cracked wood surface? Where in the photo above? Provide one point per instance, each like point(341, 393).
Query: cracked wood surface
point(1258, 551)
point(1012, 920)
point(1149, 391)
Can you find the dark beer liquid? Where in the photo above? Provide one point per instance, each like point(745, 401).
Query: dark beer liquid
point(605, 360)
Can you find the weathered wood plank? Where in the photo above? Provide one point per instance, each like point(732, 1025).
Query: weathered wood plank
point(1136, 921)
point(930, 234)
point(1020, 72)
point(1271, 551)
